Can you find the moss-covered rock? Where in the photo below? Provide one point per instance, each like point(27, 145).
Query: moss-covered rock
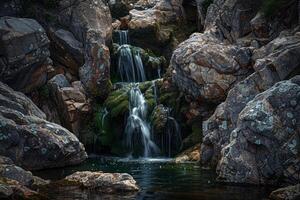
point(153, 64)
point(159, 118)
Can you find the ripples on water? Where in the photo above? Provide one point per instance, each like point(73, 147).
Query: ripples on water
point(159, 179)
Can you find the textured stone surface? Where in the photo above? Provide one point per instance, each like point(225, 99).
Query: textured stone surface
point(264, 146)
point(274, 62)
point(66, 50)
point(230, 19)
point(104, 182)
point(24, 53)
point(149, 19)
point(206, 68)
point(91, 23)
point(71, 102)
point(190, 155)
point(31, 141)
point(16, 183)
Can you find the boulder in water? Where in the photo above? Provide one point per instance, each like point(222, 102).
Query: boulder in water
point(107, 183)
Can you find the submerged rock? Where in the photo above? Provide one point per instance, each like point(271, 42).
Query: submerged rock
point(31, 141)
point(24, 53)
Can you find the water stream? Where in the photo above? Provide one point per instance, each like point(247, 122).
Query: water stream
point(130, 65)
point(137, 130)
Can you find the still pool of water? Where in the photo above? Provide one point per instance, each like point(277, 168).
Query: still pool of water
point(160, 179)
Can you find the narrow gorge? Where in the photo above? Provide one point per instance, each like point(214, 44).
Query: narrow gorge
point(150, 99)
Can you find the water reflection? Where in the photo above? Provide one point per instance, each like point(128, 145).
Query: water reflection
point(159, 179)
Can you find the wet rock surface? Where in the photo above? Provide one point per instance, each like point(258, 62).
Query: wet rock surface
point(17, 183)
point(103, 182)
point(190, 155)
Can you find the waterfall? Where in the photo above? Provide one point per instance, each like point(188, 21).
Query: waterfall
point(123, 37)
point(171, 138)
point(104, 114)
point(140, 67)
point(137, 129)
point(130, 64)
point(159, 72)
point(155, 92)
point(125, 64)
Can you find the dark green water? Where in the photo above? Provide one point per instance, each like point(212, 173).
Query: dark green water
point(159, 179)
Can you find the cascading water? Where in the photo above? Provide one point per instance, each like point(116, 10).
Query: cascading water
point(130, 63)
point(104, 114)
point(123, 37)
point(155, 92)
point(138, 135)
point(173, 135)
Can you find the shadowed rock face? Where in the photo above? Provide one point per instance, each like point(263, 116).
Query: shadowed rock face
point(264, 146)
point(91, 23)
point(230, 19)
point(24, 53)
point(31, 141)
point(17, 183)
point(71, 101)
point(290, 192)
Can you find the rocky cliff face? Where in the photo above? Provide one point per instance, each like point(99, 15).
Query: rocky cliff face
point(264, 146)
point(24, 53)
point(241, 54)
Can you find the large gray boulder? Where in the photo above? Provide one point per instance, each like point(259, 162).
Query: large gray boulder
point(264, 146)
point(274, 62)
point(24, 53)
point(31, 141)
